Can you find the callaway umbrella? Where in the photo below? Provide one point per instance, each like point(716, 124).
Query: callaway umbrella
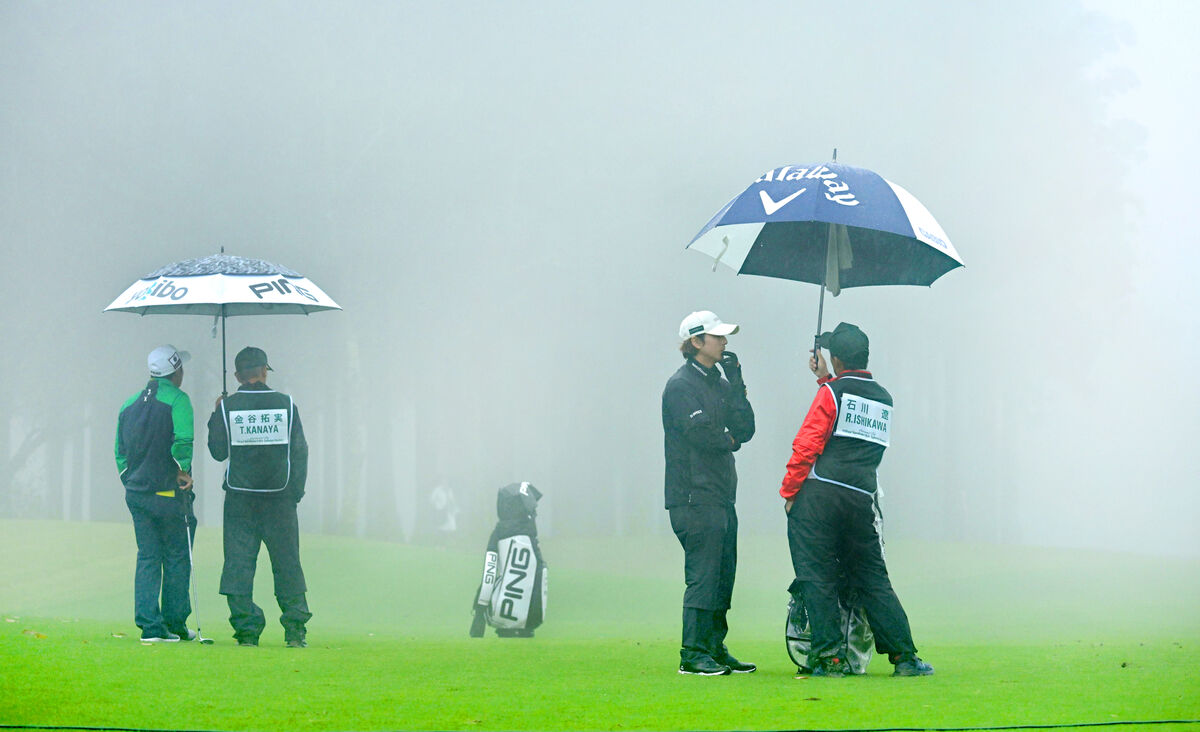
point(222, 285)
point(829, 224)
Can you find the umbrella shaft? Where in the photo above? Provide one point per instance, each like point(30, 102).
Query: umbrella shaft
point(820, 316)
point(821, 306)
point(224, 361)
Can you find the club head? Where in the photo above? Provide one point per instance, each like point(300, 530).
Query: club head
point(206, 641)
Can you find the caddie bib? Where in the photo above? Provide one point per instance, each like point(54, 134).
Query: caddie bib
point(860, 435)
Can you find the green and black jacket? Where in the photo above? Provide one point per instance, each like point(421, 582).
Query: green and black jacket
point(154, 437)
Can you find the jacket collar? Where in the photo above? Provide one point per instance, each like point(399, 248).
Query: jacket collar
point(709, 373)
point(860, 373)
point(254, 387)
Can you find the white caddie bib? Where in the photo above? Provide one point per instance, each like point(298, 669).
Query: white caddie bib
point(864, 419)
point(259, 427)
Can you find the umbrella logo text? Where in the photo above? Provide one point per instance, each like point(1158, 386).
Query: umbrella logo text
point(779, 175)
point(837, 191)
point(162, 288)
point(931, 237)
point(282, 286)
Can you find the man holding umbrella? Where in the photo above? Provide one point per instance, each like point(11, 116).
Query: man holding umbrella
point(706, 418)
point(258, 430)
point(154, 456)
point(829, 491)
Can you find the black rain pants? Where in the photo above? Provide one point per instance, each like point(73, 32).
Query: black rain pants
point(250, 522)
point(708, 535)
point(832, 529)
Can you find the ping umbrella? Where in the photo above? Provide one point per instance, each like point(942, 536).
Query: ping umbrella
point(829, 224)
point(222, 285)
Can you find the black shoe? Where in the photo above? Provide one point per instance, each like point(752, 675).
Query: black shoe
point(249, 642)
point(910, 665)
point(297, 643)
point(703, 666)
point(735, 665)
point(834, 667)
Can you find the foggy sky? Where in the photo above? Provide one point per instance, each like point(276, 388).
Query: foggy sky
point(499, 195)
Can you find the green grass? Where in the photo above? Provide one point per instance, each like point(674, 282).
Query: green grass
point(1018, 636)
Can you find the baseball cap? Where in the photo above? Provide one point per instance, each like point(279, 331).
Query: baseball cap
point(704, 321)
point(166, 360)
point(251, 358)
point(846, 340)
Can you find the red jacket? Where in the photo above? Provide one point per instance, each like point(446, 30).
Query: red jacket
point(810, 440)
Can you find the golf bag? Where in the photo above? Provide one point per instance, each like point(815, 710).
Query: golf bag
point(512, 594)
point(856, 632)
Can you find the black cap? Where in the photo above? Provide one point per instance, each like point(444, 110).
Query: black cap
point(845, 341)
point(251, 358)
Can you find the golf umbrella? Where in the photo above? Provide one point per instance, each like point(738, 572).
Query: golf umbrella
point(829, 224)
point(222, 285)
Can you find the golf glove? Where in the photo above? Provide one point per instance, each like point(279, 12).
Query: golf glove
point(732, 368)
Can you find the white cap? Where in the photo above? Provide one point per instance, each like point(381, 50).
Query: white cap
point(165, 360)
point(704, 321)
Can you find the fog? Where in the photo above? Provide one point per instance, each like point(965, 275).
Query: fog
point(499, 196)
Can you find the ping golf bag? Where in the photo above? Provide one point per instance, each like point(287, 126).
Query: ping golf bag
point(512, 595)
point(856, 632)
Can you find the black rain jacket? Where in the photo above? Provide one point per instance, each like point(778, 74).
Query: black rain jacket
point(705, 420)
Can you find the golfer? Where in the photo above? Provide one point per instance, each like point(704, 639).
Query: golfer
point(706, 418)
point(154, 456)
point(829, 493)
point(258, 430)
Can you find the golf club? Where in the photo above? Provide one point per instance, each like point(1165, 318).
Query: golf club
point(192, 581)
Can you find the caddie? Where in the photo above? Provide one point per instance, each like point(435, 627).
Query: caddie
point(829, 492)
point(258, 430)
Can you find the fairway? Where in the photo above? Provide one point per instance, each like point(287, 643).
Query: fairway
point(1019, 636)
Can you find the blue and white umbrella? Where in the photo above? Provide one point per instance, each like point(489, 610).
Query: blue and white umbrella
point(829, 224)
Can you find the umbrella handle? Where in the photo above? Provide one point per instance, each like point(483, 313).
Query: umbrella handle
point(724, 248)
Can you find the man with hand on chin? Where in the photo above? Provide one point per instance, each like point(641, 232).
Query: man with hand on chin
point(706, 418)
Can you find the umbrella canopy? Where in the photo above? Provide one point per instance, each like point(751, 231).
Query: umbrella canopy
point(829, 224)
point(222, 285)
point(225, 285)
